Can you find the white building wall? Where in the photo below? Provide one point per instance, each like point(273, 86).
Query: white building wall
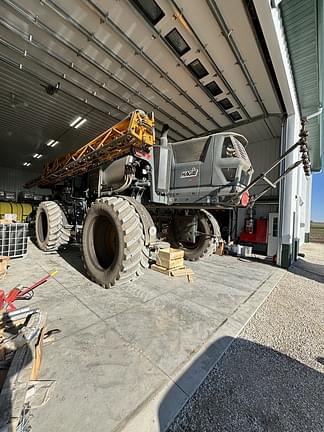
point(304, 202)
point(295, 201)
point(289, 212)
point(262, 154)
point(259, 211)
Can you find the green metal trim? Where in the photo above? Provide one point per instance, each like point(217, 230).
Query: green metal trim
point(303, 25)
point(296, 249)
point(320, 47)
point(286, 255)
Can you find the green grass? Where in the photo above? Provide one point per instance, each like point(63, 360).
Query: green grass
point(317, 225)
point(317, 232)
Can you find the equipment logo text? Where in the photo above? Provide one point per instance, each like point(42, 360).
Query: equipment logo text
point(192, 172)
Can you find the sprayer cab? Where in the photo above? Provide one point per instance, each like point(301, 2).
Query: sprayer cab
point(206, 171)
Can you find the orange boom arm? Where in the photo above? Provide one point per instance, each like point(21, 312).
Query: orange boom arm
point(135, 131)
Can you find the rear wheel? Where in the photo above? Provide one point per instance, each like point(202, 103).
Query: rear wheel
point(49, 226)
point(206, 239)
point(113, 248)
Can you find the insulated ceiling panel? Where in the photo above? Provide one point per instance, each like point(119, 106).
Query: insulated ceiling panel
point(29, 118)
point(109, 58)
point(262, 130)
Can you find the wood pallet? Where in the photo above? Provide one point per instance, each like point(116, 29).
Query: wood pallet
point(24, 367)
point(176, 272)
point(4, 263)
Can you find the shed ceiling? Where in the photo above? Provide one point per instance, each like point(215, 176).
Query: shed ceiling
point(109, 60)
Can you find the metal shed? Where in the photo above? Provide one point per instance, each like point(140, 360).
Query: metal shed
point(197, 65)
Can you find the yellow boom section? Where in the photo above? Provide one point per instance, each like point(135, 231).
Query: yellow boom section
point(137, 130)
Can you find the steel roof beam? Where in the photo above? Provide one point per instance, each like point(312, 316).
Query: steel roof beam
point(24, 37)
point(123, 64)
point(34, 95)
point(40, 78)
point(107, 20)
point(228, 36)
point(45, 112)
point(43, 27)
point(249, 122)
point(218, 71)
point(44, 66)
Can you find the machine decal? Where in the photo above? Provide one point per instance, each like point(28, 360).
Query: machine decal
point(192, 172)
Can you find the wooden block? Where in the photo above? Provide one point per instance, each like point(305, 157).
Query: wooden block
point(161, 269)
point(170, 258)
point(172, 253)
point(170, 264)
point(220, 249)
point(4, 261)
point(183, 271)
point(38, 356)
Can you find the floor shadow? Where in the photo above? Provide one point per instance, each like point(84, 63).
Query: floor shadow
point(308, 270)
point(252, 388)
point(263, 260)
point(72, 255)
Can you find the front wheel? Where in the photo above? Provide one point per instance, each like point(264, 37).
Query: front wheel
point(113, 248)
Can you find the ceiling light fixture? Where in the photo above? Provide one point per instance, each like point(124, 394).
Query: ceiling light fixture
point(26, 164)
point(37, 156)
point(54, 143)
point(80, 123)
point(49, 144)
point(75, 121)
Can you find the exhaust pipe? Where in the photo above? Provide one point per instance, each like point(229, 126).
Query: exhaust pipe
point(164, 165)
point(164, 136)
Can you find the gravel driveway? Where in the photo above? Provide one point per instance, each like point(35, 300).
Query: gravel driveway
point(271, 378)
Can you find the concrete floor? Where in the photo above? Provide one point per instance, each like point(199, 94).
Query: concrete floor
point(272, 377)
point(129, 358)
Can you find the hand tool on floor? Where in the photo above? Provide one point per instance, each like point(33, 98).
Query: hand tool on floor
point(20, 293)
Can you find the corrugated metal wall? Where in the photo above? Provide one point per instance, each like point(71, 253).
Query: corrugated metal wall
point(13, 180)
point(303, 21)
point(262, 155)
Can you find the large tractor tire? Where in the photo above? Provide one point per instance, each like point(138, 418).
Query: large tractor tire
point(113, 246)
point(50, 229)
point(206, 242)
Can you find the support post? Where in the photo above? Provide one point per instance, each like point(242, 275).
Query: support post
point(289, 208)
point(308, 210)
